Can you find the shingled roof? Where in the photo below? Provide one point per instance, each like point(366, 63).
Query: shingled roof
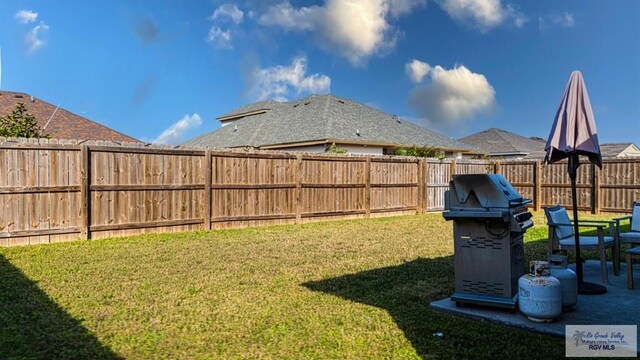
point(610, 150)
point(498, 142)
point(319, 118)
point(64, 124)
point(627, 149)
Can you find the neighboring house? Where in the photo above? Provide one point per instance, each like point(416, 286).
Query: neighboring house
point(612, 150)
point(620, 150)
point(59, 123)
point(315, 123)
point(498, 143)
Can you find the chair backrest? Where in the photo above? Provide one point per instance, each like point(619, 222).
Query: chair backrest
point(635, 217)
point(558, 215)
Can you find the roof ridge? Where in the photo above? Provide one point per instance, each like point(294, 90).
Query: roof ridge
point(257, 129)
point(507, 141)
point(15, 92)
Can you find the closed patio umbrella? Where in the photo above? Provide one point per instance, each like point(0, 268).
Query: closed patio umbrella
point(573, 134)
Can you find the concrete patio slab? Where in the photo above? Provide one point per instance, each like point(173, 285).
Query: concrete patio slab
point(619, 306)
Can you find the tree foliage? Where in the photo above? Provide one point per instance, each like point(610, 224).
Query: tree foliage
point(336, 150)
point(426, 151)
point(20, 123)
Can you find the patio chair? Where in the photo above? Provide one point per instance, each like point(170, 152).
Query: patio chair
point(561, 237)
point(633, 235)
point(632, 254)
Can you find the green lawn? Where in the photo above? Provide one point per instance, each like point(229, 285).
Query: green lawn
point(348, 289)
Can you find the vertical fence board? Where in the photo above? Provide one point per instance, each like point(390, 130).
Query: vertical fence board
point(537, 201)
point(367, 190)
point(208, 172)
point(85, 193)
point(298, 177)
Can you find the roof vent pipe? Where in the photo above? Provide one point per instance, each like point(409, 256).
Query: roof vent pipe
point(358, 132)
point(235, 127)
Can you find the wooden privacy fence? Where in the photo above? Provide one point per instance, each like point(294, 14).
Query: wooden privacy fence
point(53, 191)
point(612, 189)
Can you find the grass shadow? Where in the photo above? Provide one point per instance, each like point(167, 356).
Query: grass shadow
point(32, 326)
point(404, 291)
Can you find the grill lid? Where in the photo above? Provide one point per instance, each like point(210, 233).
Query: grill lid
point(483, 191)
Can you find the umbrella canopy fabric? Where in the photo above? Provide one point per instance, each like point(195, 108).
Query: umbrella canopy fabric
point(574, 128)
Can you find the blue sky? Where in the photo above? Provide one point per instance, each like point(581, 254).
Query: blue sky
point(162, 70)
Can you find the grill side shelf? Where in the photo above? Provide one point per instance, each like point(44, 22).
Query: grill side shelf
point(451, 215)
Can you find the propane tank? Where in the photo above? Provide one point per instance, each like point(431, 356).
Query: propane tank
point(568, 280)
point(539, 294)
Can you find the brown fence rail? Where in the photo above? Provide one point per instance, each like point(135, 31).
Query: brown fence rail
point(54, 190)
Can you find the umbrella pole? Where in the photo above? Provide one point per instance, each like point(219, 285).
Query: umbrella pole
point(585, 288)
point(576, 228)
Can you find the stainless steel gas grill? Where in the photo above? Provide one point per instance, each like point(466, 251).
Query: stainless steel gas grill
point(489, 221)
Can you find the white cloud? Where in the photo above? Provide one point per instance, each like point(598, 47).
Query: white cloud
point(519, 19)
point(277, 82)
point(353, 29)
point(401, 7)
point(356, 29)
point(483, 14)
point(452, 96)
point(219, 38)
point(33, 38)
point(417, 70)
point(228, 11)
point(26, 16)
point(564, 19)
point(286, 16)
point(175, 132)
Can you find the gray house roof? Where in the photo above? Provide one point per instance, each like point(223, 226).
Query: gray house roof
point(610, 150)
point(628, 149)
point(497, 142)
point(320, 118)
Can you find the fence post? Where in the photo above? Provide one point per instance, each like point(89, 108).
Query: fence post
point(595, 192)
point(452, 169)
point(537, 186)
point(496, 167)
point(422, 191)
point(85, 192)
point(208, 174)
point(367, 180)
point(298, 197)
